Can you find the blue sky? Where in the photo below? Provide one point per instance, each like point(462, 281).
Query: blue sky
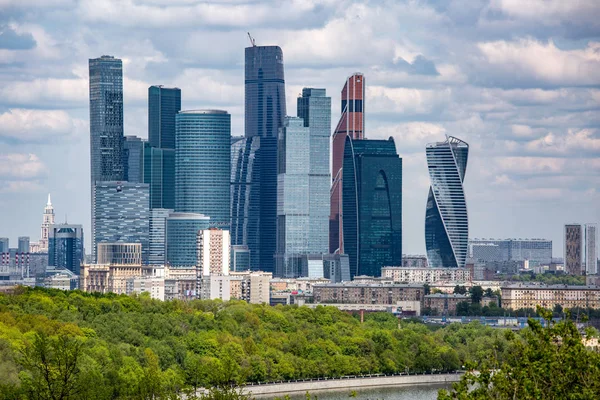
point(519, 81)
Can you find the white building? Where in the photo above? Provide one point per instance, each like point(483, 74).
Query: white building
point(214, 287)
point(426, 275)
point(591, 249)
point(214, 250)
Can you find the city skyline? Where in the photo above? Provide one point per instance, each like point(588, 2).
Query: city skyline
point(533, 165)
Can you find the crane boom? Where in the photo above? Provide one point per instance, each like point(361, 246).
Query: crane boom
point(252, 41)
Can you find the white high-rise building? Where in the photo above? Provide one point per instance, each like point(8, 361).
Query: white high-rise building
point(48, 220)
point(591, 249)
point(214, 247)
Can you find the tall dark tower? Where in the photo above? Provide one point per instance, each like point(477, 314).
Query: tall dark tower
point(264, 113)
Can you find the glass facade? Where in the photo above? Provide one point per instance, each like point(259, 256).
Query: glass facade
point(119, 253)
point(65, 247)
point(163, 105)
point(245, 196)
point(446, 219)
point(265, 109)
point(293, 205)
point(372, 205)
point(121, 214)
point(133, 159)
point(159, 174)
point(158, 234)
point(591, 249)
point(314, 107)
point(203, 164)
point(538, 251)
point(3, 245)
point(352, 124)
point(23, 244)
point(240, 258)
point(182, 231)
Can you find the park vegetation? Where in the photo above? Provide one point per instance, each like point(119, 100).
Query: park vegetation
point(73, 345)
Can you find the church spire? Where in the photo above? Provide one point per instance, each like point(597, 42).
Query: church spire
point(49, 201)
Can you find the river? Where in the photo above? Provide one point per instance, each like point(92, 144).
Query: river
point(428, 392)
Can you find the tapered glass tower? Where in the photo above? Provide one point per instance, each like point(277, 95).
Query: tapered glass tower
point(446, 220)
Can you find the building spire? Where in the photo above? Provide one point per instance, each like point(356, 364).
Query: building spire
point(49, 201)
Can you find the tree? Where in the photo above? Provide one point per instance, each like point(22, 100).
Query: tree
point(489, 292)
point(426, 289)
point(458, 289)
point(462, 308)
point(476, 294)
point(548, 362)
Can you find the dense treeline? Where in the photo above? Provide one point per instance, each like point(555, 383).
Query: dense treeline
point(67, 345)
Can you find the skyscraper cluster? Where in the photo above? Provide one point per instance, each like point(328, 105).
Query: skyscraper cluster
point(271, 189)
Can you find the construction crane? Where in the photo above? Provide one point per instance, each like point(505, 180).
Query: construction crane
point(252, 40)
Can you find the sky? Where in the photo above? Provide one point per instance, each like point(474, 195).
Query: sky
point(519, 81)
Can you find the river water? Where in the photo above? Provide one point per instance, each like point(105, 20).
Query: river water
point(428, 392)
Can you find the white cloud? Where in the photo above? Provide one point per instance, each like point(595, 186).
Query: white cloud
point(41, 126)
point(46, 92)
point(531, 61)
point(19, 166)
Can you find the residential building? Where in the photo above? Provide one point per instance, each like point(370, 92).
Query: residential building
point(353, 293)
point(517, 296)
point(158, 236)
point(64, 280)
point(591, 249)
point(133, 159)
point(372, 204)
point(265, 109)
point(153, 285)
point(182, 231)
point(121, 214)
point(414, 261)
point(214, 250)
point(352, 124)
point(444, 303)
point(574, 249)
point(106, 128)
point(426, 275)
point(251, 286)
point(181, 283)
point(203, 164)
point(212, 287)
point(314, 107)
point(245, 196)
point(536, 251)
point(65, 247)
point(446, 219)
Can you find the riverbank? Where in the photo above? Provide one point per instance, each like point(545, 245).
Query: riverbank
point(350, 383)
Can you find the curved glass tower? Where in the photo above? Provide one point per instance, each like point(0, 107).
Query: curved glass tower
point(446, 221)
point(203, 164)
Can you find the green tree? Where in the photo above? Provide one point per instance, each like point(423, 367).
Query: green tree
point(476, 294)
point(462, 308)
point(546, 362)
point(458, 289)
point(426, 289)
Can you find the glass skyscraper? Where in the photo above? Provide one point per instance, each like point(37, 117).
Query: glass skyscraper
point(293, 193)
point(133, 161)
point(591, 249)
point(372, 204)
point(352, 124)
point(65, 247)
point(158, 235)
point(245, 196)
point(163, 105)
point(182, 231)
point(446, 220)
point(265, 109)
point(121, 214)
point(314, 107)
point(203, 164)
point(159, 174)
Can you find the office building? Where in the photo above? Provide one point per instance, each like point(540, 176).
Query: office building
point(182, 231)
point(591, 249)
point(372, 204)
point(4, 245)
point(159, 174)
point(265, 109)
point(537, 251)
point(203, 164)
point(23, 245)
point(119, 253)
point(517, 296)
point(293, 206)
point(163, 105)
point(574, 249)
point(240, 258)
point(245, 196)
point(446, 220)
point(352, 124)
point(65, 247)
point(336, 267)
point(314, 107)
point(121, 214)
point(158, 236)
point(106, 127)
point(214, 250)
point(133, 159)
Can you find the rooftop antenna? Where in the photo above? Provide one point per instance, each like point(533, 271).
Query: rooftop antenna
point(252, 40)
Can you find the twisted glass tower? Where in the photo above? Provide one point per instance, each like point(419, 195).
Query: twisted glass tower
point(446, 221)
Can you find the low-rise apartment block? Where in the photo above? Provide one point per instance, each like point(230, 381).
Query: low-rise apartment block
point(518, 296)
point(426, 275)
